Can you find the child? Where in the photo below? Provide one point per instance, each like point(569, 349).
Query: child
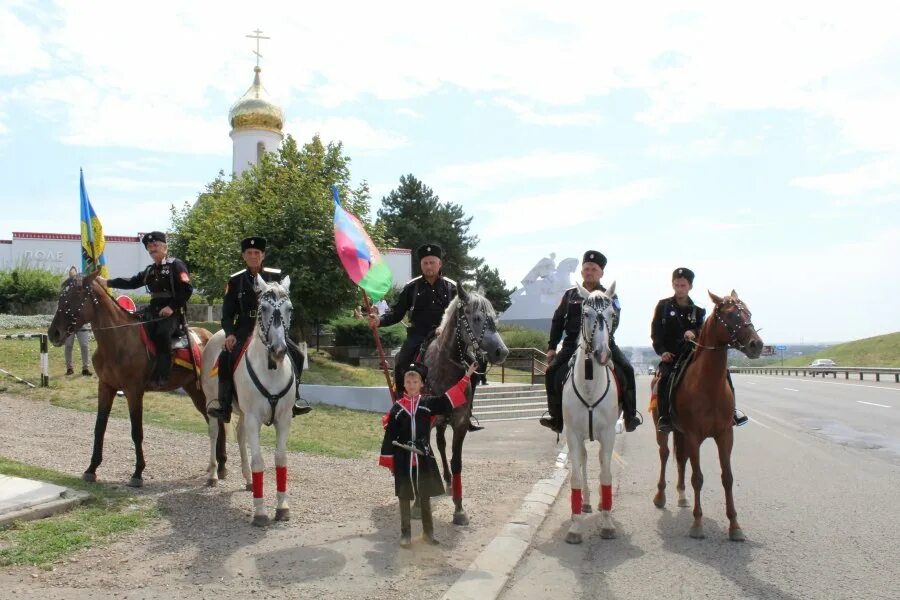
point(406, 449)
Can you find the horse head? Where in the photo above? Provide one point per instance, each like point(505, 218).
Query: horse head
point(273, 316)
point(476, 326)
point(733, 325)
point(596, 318)
point(75, 307)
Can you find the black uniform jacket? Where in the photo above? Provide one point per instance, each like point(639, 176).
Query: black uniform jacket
point(567, 319)
point(169, 284)
point(241, 301)
point(424, 302)
point(409, 421)
point(670, 321)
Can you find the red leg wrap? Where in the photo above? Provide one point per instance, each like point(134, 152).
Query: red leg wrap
point(457, 485)
point(281, 478)
point(257, 484)
point(576, 502)
point(606, 497)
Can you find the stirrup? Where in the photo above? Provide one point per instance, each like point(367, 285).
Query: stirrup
point(664, 425)
point(219, 412)
point(473, 426)
point(740, 419)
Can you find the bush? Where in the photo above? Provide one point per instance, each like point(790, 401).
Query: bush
point(145, 298)
point(355, 332)
point(518, 336)
point(26, 285)
point(25, 322)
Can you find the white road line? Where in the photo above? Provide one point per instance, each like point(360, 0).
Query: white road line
point(751, 383)
point(798, 380)
point(873, 404)
point(791, 390)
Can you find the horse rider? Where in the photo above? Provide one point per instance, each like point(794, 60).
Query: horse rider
point(676, 324)
point(239, 319)
point(567, 320)
point(169, 283)
point(424, 298)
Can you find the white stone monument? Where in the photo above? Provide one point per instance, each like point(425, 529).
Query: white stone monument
point(533, 304)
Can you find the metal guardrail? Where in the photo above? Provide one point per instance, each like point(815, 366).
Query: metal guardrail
point(878, 372)
point(523, 365)
point(44, 360)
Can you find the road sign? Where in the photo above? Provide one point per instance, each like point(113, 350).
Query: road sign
point(780, 348)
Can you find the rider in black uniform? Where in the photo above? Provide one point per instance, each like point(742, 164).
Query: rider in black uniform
point(424, 299)
point(567, 320)
point(676, 324)
point(238, 320)
point(169, 284)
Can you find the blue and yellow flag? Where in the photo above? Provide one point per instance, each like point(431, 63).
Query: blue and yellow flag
point(92, 241)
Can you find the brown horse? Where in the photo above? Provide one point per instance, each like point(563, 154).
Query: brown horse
point(121, 362)
point(704, 407)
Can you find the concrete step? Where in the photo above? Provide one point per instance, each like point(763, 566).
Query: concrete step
point(494, 396)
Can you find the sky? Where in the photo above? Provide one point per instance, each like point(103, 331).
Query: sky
point(757, 144)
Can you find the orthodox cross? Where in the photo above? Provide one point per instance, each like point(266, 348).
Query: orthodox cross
point(257, 35)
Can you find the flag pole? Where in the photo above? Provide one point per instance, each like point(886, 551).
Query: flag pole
point(380, 348)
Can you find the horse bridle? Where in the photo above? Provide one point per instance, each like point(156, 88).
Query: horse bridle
point(589, 338)
point(70, 314)
point(462, 322)
point(732, 331)
point(263, 327)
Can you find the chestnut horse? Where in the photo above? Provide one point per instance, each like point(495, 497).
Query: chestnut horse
point(703, 407)
point(121, 362)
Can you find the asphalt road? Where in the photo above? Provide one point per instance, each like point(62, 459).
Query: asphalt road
point(817, 490)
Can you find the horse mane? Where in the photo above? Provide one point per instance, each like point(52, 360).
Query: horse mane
point(476, 299)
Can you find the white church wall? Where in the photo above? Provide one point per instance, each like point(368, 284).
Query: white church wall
point(245, 147)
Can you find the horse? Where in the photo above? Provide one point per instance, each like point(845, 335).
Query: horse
point(589, 382)
point(703, 407)
point(264, 385)
point(447, 358)
point(121, 362)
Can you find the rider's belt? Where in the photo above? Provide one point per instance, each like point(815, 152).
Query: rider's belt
point(160, 295)
point(252, 314)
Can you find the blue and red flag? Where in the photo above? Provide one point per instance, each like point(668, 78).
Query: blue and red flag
point(360, 257)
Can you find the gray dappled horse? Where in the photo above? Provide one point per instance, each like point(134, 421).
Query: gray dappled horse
point(468, 329)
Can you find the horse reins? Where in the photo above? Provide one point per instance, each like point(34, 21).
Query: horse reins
point(473, 341)
point(262, 330)
point(732, 332)
point(71, 316)
point(589, 343)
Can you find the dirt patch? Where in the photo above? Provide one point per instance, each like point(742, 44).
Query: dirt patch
point(340, 542)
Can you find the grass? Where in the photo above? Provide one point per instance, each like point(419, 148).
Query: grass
point(879, 351)
point(42, 543)
point(327, 430)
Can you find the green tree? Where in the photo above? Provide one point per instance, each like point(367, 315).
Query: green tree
point(488, 281)
point(413, 215)
point(287, 199)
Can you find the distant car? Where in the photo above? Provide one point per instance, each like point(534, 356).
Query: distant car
point(651, 371)
point(821, 365)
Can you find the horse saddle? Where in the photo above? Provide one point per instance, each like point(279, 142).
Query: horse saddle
point(676, 375)
point(181, 350)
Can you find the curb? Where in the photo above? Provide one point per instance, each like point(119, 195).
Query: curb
point(488, 574)
point(68, 500)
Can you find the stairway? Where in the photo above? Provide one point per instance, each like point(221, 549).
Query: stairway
point(503, 402)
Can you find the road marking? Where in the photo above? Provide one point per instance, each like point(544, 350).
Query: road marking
point(873, 404)
point(791, 390)
point(796, 380)
point(618, 458)
point(751, 383)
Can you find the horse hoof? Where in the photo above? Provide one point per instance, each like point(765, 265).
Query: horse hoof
point(736, 535)
point(89, 477)
point(222, 473)
point(697, 533)
point(573, 538)
point(659, 501)
point(212, 482)
point(416, 512)
point(460, 518)
point(248, 487)
point(683, 503)
point(282, 514)
point(587, 508)
point(260, 520)
point(136, 482)
point(405, 541)
point(607, 533)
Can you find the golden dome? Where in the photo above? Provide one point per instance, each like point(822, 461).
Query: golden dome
point(255, 111)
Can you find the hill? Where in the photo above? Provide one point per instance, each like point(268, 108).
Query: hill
point(878, 351)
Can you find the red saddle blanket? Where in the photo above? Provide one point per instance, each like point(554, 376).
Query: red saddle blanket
point(181, 357)
point(215, 369)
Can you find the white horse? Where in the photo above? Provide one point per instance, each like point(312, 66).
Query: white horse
point(590, 411)
point(264, 385)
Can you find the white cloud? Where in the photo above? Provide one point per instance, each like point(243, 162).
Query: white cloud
point(529, 115)
point(20, 46)
point(520, 216)
point(126, 184)
point(408, 112)
point(537, 165)
point(873, 176)
point(356, 134)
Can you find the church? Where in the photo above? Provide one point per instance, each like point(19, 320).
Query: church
point(256, 128)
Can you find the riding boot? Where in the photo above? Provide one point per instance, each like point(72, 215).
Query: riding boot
point(428, 522)
point(473, 426)
point(301, 406)
point(554, 407)
point(226, 394)
point(405, 527)
point(162, 369)
point(630, 409)
point(740, 419)
point(664, 425)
